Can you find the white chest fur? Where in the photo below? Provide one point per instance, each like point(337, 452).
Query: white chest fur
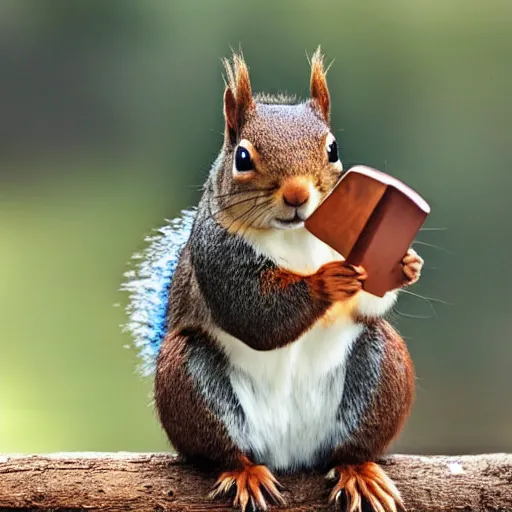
point(290, 396)
point(296, 250)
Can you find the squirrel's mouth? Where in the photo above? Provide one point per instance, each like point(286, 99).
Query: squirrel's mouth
point(295, 222)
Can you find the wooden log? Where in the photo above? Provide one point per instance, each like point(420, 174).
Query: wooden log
point(160, 482)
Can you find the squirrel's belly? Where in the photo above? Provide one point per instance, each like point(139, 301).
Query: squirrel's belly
point(291, 396)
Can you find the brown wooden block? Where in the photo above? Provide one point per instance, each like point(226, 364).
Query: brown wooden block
point(371, 219)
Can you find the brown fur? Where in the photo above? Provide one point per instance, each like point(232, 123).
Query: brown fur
point(333, 282)
point(177, 399)
point(397, 376)
point(238, 100)
point(337, 281)
point(386, 417)
point(318, 86)
point(286, 139)
point(278, 279)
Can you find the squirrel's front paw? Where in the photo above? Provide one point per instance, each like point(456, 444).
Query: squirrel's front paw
point(249, 483)
point(337, 280)
point(412, 264)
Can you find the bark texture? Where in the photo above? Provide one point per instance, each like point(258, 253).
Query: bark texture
point(160, 482)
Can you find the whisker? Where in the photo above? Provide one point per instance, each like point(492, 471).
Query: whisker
point(246, 222)
point(242, 215)
point(417, 317)
point(256, 213)
point(236, 192)
point(248, 218)
point(255, 217)
point(262, 214)
point(231, 205)
point(194, 187)
point(426, 298)
point(235, 220)
point(216, 131)
point(419, 242)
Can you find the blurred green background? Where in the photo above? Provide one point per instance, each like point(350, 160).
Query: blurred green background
point(110, 118)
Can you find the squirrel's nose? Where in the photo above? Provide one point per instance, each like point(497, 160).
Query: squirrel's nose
point(295, 192)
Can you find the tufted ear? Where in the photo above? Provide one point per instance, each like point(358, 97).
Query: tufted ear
point(318, 85)
point(238, 98)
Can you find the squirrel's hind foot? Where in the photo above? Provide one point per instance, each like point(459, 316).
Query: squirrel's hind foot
point(250, 483)
point(364, 482)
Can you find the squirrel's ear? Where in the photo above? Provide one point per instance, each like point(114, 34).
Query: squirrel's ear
point(238, 98)
point(318, 86)
point(230, 109)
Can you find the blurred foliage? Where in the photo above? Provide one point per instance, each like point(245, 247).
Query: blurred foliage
point(111, 116)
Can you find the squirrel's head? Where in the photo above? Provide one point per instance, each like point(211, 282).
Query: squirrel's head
point(279, 158)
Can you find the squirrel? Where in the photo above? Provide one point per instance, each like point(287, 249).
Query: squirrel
point(268, 355)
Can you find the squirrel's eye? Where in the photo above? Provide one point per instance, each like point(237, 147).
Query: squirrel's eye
point(243, 160)
point(332, 150)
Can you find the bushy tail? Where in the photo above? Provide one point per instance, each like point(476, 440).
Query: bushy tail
point(148, 287)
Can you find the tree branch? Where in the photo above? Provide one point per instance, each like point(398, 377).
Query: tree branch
point(158, 482)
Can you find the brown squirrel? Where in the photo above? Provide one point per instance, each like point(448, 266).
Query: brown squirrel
point(274, 357)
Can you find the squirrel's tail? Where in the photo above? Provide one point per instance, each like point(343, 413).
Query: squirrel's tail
point(148, 285)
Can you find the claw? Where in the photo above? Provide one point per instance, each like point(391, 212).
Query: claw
point(365, 481)
point(249, 482)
